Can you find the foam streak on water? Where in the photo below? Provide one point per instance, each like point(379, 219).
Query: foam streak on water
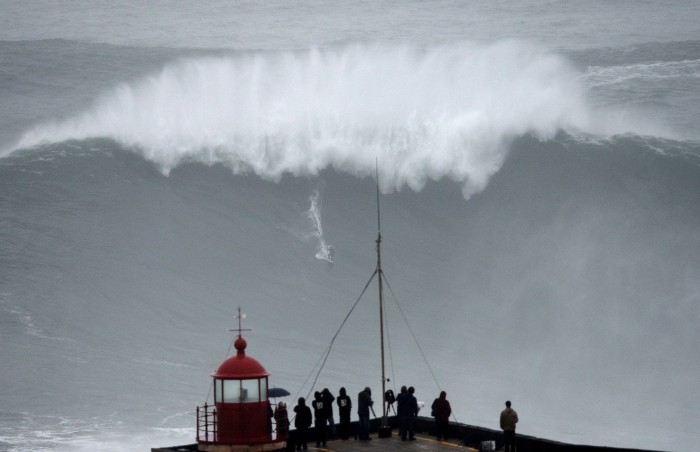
point(325, 251)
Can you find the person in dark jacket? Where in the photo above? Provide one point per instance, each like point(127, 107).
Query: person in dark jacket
point(319, 419)
point(328, 400)
point(344, 410)
point(412, 413)
point(508, 420)
point(402, 412)
point(281, 420)
point(364, 404)
point(441, 411)
point(302, 421)
point(270, 415)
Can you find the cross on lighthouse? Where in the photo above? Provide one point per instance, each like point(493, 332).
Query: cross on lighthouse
point(240, 316)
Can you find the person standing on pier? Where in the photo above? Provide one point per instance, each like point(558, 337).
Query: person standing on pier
point(328, 399)
point(508, 420)
point(344, 410)
point(441, 411)
point(302, 421)
point(364, 403)
point(319, 419)
point(412, 407)
point(402, 412)
point(281, 420)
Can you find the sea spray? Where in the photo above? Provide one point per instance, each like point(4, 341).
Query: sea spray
point(447, 111)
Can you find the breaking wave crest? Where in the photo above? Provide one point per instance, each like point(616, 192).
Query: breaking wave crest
point(425, 114)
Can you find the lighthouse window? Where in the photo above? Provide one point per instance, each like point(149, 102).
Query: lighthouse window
point(263, 389)
point(241, 391)
point(232, 391)
point(219, 390)
point(250, 391)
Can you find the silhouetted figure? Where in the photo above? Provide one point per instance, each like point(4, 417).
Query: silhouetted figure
point(302, 422)
point(412, 413)
point(441, 410)
point(508, 420)
point(270, 415)
point(328, 405)
point(402, 412)
point(319, 419)
point(344, 410)
point(364, 403)
point(282, 420)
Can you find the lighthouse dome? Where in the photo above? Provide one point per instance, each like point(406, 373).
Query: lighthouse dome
point(240, 365)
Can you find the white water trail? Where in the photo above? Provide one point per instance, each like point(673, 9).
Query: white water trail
point(424, 114)
point(324, 251)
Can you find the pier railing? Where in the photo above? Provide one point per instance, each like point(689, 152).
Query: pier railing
point(206, 424)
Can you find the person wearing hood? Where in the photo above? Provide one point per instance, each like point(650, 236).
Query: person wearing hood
point(302, 421)
point(412, 412)
point(281, 420)
point(344, 409)
point(364, 404)
point(319, 419)
point(508, 420)
point(402, 412)
point(328, 399)
point(441, 411)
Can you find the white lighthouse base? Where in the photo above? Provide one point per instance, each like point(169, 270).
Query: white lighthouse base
point(267, 447)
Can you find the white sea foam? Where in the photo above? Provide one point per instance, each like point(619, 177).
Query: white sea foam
point(26, 319)
point(611, 75)
point(324, 251)
point(447, 111)
point(57, 433)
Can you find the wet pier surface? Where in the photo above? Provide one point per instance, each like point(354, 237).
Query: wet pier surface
point(422, 443)
point(425, 442)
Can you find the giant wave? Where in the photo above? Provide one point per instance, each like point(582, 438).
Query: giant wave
point(424, 113)
point(568, 281)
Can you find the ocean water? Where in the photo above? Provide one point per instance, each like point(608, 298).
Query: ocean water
point(164, 164)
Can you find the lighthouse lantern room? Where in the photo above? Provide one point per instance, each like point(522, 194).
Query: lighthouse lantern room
point(241, 417)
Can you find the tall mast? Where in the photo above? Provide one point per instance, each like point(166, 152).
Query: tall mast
point(381, 302)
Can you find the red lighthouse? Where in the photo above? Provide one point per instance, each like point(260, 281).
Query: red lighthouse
point(241, 418)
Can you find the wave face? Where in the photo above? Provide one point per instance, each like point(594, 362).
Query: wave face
point(539, 213)
point(571, 279)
